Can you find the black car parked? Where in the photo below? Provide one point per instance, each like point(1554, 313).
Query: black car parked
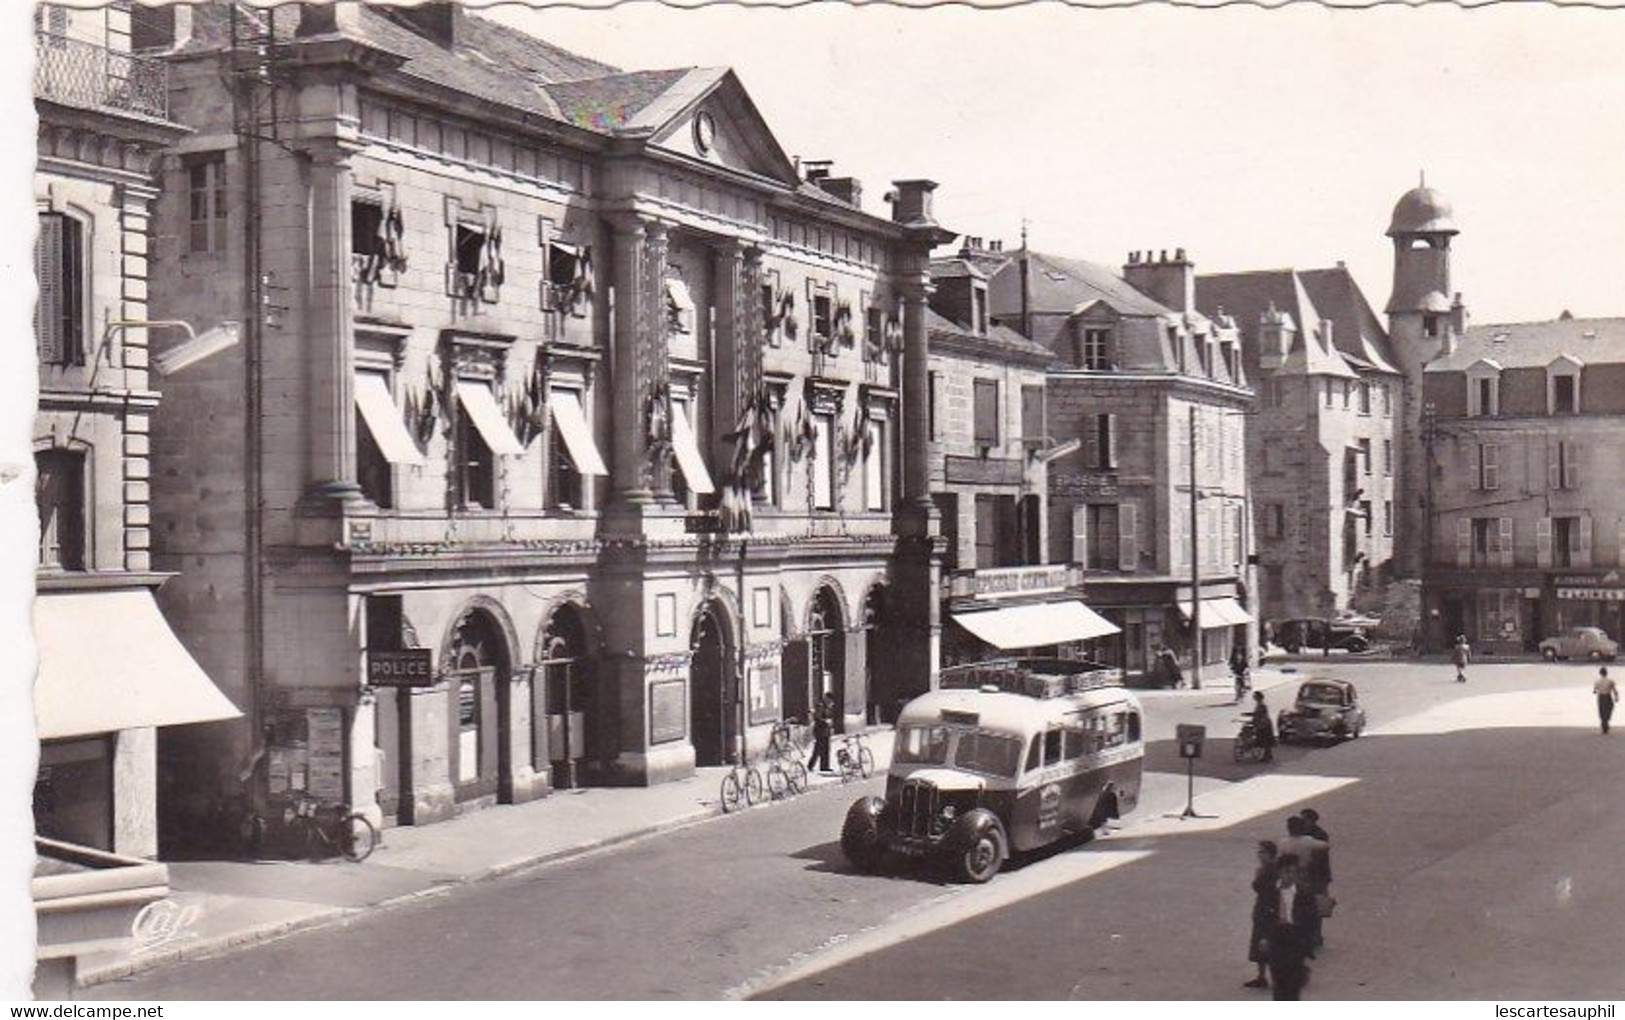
point(1296, 635)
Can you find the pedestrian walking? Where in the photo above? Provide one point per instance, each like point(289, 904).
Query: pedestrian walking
point(823, 722)
point(1314, 865)
point(1168, 663)
point(1459, 656)
point(1266, 913)
point(1263, 726)
point(1288, 952)
point(1607, 695)
point(1312, 829)
point(1238, 669)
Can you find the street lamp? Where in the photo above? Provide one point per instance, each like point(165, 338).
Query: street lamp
point(188, 352)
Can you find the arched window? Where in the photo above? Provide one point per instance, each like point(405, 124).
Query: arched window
point(59, 265)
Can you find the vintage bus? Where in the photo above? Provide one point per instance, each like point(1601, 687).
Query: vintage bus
point(1008, 756)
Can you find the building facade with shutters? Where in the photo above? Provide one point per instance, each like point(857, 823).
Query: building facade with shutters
point(1524, 433)
point(1146, 386)
point(563, 446)
point(111, 671)
point(1322, 451)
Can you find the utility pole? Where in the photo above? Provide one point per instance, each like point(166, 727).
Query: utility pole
point(1196, 569)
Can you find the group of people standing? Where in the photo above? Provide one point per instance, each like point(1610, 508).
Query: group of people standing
point(1291, 899)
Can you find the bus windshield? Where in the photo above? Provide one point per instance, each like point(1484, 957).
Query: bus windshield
point(921, 745)
point(990, 754)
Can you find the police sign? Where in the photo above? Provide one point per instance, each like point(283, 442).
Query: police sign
point(409, 667)
point(1190, 739)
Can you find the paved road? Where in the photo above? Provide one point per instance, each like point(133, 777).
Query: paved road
point(1456, 853)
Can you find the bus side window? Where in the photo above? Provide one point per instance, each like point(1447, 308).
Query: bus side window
point(1114, 733)
point(1052, 747)
point(1076, 742)
point(1134, 727)
point(1035, 753)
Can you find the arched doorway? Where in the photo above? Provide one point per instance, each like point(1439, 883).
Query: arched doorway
point(826, 641)
point(568, 700)
point(477, 668)
point(711, 685)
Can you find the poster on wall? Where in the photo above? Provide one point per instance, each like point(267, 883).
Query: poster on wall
point(765, 688)
point(325, 753)
point(668, 711)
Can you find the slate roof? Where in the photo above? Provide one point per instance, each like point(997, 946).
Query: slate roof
point(1058, 284)
point(1308, 297)
point(1358, 332)
point(1537, 344)
point(614, 101)
point(1000, 340)
point(953, 269)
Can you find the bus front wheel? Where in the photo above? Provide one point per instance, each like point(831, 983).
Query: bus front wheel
point(981, 847)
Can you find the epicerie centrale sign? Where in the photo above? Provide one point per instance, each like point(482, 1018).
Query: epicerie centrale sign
point(408, 667)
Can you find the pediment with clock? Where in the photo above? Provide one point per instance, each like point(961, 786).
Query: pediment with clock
point(710, 117)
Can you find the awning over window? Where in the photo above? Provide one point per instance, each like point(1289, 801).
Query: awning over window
point(1220, 612)
point(1049, 623)
point(481, 407)
point(108, 661)
point(383, 418)
point(687, 449)
point(571, 421)
point(677, 293)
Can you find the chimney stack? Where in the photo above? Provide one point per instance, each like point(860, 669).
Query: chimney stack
point(847, 189)
point(911, 202)
point(439, 21)
point(1171, 282)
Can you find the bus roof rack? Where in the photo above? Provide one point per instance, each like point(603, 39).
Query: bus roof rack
point(1035, 678)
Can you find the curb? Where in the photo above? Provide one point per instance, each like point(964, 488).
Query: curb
point(199, 949)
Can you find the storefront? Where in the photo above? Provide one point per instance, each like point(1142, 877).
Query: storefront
point(1022, 610)
point(110, 672)
point(1589, 601)
point(1224, 625)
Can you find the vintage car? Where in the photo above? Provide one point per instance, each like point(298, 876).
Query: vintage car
point(1580, 643)
point(1348, 635)
point(1008, 756)
point(1324, 710)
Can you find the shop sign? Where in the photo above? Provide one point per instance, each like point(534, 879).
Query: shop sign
point(408, 667)
point(959, 470)
point(1593, 594)
point(1073, 484)
point(999, 581)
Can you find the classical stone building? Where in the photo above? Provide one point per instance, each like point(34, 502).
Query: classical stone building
point(110, 668)
point(1321, 446)
point(1523, 435)
point(1156, 396)
point(563, 445)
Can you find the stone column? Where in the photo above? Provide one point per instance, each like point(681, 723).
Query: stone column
point(640, 246)
point(737, 340)
point(656, 244)
point(916, 522)
point(329, 332)
point(916, 503)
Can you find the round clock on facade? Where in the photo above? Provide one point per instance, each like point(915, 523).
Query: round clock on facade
point(705, 131)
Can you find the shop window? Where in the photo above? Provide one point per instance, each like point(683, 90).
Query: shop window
point(73, 792)
point(59, 266)
point(59, 496)
point(985, 412)
point(206, 203)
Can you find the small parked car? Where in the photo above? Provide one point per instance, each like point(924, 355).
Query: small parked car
point(1296, 635)
point(1324, 710)
point(1580, 643)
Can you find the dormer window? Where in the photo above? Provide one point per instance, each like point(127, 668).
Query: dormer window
point(978, 309)
point(1095, 350)
point(1563, 386)
point(1483, 390)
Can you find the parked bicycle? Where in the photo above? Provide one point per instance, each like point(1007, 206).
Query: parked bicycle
point(742, 787)
point(330, 828)
point(785, 751)
point(854, 757)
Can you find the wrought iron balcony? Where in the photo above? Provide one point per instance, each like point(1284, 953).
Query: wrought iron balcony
point(78, 73)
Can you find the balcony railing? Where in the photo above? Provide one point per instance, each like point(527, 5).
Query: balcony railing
point(78, 73)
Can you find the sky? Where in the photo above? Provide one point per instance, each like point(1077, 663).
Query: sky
point(1254, 139)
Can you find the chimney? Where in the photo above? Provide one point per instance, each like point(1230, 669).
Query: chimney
point(847, 189)
point(1275, 334)
point(911, 202)
point(816, 171)
point(1326, 326)
point(439, 21)
point(1458, 316)
point(322, 18)
point(1171, 282)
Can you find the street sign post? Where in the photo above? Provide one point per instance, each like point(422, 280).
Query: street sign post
point(1190, 738)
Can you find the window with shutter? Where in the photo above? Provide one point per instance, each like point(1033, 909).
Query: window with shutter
point(1490, 460)
point(59, 497)
point(1105, 441)
point(1543, 542)
point(1582, 545)
point(1103, 537)
point(1080, 534)
point(1032, 412)
point(59, 316)
point(986, 412)
point(1506, 541)
point(1464, 542)
point(1571, 465)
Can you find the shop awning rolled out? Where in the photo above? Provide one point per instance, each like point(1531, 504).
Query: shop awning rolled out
point(571, 422)
point(1221, 612)
point(108, 661)
point(383, 418)
point(481, 407)
point(1049, 623)
point(687, 449)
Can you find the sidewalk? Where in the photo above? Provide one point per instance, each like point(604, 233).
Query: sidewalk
point(242, 902)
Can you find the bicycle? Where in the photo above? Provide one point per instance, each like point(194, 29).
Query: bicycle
point(854, 757)
point(784, 754)
point(330, 828)
point(742, 786)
